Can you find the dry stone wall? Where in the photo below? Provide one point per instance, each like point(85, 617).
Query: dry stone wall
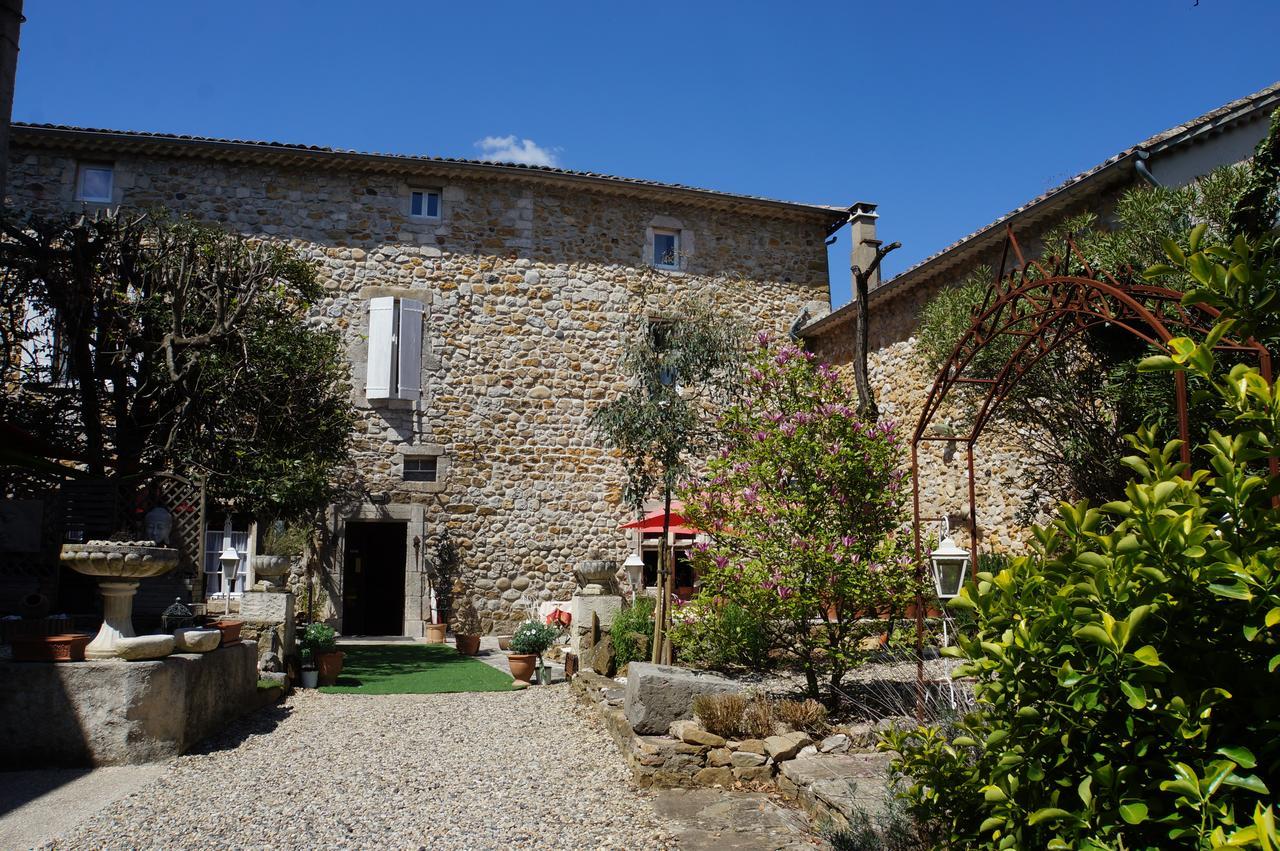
point(530, 291)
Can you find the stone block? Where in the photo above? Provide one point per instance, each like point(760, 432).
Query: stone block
point(722, 777)
point(719, 757)
point(113, 712)
point(756, 774)
point(145, 647)
point(753, 746)
point(745, 759)
point(692, 732)
point(267, 606)
point(839, 743)
point(786, 746)
point(660, 694)
point(196, 640)
point(584, 607)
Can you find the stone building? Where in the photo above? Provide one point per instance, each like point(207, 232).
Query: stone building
point(485, 307)
point(1173, 158)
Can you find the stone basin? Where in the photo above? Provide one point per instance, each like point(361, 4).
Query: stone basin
point(119, 567)
point(119, 559)
point(145, 647)
point(194, 639)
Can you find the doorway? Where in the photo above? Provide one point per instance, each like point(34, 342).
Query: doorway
point(373, 579)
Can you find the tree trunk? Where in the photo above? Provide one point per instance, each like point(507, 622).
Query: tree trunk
point(867, 409)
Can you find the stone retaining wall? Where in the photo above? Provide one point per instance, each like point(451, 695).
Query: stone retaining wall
point(830, 778)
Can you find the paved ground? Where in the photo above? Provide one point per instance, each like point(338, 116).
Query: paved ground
point(468, 771)
point(35, 806)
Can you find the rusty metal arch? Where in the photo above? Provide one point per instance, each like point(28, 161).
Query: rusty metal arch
point(1045, 306)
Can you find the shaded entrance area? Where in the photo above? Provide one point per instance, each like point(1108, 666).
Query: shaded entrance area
point(373, 579)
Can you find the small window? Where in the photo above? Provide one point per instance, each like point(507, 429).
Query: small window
point(420, 469)
point(424, 204)
point(94, 183)
point(666, 249)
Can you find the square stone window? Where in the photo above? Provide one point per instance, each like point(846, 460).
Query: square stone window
point(666, 249)
point(424, 204)
point(95, 182)
point(420, 469)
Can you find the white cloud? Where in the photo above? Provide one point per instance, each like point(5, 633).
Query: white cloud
point(509, 149)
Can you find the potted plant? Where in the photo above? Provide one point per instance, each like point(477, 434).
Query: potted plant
point(466, 621)
point(321, 641)
point(280, 546)
point(530, 641)
point(310, 676)
point(440, 572)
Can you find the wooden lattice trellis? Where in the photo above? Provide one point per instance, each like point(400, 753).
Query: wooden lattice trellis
point(184, 499)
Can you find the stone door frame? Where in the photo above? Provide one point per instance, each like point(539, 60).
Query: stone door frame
point(415, 584)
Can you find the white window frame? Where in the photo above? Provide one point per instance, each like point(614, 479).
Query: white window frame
point(214, 543)
point(82, 169)
point(658, 263)
point(393, 360)
point(426, 195)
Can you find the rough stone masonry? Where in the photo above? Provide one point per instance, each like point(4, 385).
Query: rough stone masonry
point(531, 281)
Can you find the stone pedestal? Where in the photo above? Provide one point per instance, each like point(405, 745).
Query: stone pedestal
point(114, 712)
point(117, 617)
point(585, 604)
point(268, 619)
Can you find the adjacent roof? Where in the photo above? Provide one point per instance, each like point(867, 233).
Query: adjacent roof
point(135, 143)
point(1109, 173)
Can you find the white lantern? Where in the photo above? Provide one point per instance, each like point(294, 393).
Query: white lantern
point(950, 568)
point(635, 573)
point(230, 561)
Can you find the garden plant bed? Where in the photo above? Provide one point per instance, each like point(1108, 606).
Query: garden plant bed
point(413, 669)
point(833, 778)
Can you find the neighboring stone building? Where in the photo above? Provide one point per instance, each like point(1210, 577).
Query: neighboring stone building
point(1175, 157)
point(485, 307)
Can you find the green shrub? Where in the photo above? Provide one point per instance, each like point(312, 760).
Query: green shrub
point(533, 637)
point(632, 631)
point(716, 634)
point(318, 638)
point(1128, 671)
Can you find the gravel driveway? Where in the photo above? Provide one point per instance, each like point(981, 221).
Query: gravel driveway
point(498, 770)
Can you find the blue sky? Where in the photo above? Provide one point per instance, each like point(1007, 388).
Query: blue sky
point(946, 114)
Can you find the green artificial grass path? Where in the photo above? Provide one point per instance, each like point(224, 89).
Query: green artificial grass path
point(413, 669)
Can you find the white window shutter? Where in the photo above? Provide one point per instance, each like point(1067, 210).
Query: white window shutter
point(381, 348)
point(410, 354)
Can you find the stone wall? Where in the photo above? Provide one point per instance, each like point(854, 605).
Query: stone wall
point(530, 290)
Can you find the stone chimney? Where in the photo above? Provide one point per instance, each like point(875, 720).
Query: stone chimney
point(862, 222)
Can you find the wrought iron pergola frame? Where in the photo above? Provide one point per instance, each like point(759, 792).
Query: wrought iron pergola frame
point(1043, 306)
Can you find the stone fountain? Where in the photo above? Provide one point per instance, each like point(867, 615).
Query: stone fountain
point(119, 566)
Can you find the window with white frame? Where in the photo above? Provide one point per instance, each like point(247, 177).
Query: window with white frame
point(215, 541)
point(394, 361)
point(424, 204)
point(666, 249)
point(95, 182)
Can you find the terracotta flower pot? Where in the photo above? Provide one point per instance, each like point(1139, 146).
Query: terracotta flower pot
point(523, 665)
point(50, 648)
point(329, 664)
point(468, 645)
point(435, 633)
point(230, 630)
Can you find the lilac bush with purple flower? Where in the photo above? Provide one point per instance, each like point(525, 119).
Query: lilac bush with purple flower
point(804, 504)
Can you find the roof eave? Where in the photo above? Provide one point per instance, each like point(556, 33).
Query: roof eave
point(76, 139)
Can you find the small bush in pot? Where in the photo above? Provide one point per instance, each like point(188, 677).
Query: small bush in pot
point(321, 641)
point(530, 641)
point(466, 621)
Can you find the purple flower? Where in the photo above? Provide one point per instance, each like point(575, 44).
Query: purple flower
point(720, 561)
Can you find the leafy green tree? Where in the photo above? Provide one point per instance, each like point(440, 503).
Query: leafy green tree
point(680, 372)
point(802, 504)
point(1071, 412)
point(1128, 670)
point(139, 343)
